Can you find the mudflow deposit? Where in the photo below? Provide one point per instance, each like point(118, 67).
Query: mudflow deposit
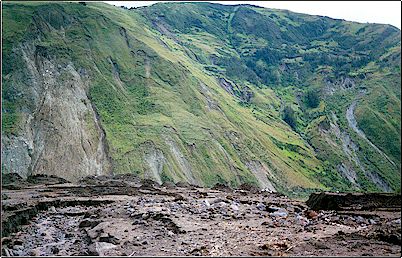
point(184, 129)
point(126, 216)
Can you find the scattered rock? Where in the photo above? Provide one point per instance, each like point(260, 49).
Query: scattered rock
point(34, 252)
point(18, 242)
point(261, 206)
point(310, 214)
point(4, 196)
point(102, 247)
point(300, 220)
point(234, 206)
point(55, 250)
point(221, 187)
point(272, 208)
point(153, 222)
point(249, 188)
point(107, 238)
point(319, 245)
point(280, 213)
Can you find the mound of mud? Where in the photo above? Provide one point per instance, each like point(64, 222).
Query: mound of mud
point(148, 184)
point(169, 185)
point(94, 180)
point(185, 185)
point(10, 178)
point(354, 201)
point(46, 179)
point(222, 187)
point(13, 181)
point(129, 177)
point(73, 219)
point(249, 188)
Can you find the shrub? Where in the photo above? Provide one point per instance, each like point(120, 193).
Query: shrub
point(289, 117)
point(312, 98)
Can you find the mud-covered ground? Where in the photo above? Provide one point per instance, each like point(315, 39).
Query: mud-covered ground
point(126, 216)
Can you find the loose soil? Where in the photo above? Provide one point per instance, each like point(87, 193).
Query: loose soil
point(126, 216)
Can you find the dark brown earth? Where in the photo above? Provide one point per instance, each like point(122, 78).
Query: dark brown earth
point(126, 216)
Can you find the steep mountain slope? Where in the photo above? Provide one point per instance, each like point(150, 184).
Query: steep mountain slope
point(197, 92)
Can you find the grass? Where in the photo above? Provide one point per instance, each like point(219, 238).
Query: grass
point(148, 90)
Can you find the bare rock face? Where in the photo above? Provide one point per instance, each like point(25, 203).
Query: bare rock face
point(60, 133)
point(261, 172)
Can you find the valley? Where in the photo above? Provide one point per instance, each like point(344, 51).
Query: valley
point(201, 93)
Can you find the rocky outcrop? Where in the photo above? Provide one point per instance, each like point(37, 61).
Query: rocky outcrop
point(351, 151)
point(343, 83)
point(261, 172)
point(244, 93)
point(211, 103)
point(155, 160)
point(226, 85)
point(123, 33)
point(348, 172)
point(181, 160)
point(60, 132)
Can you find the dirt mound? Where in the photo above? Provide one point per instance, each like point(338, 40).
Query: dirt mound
point(128, 178)
point(222, 187)
point(13, 181)
point(46, 179)
point(387, 233)
point(355, 201)
point(183, 184)
point(249, 188)
point(169, 185)
point(148, 184)
point(94, 180)
point(10, 178)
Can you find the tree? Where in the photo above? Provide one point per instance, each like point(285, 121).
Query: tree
point(289, 117)
point(312, 98)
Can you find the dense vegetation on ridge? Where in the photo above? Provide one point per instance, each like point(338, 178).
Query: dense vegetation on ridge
point(209, 93)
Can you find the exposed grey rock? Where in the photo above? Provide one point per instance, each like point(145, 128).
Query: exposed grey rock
point(102, 247)
point(155, 160)
point(261, 206)
point(60, 133)
point(280, 213)
point(234, 206)
point(261, 172)
point(88, 223)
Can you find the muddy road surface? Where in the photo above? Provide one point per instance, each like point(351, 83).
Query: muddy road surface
point(130, 217)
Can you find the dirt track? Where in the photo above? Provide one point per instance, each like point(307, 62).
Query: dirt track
point(130, 217)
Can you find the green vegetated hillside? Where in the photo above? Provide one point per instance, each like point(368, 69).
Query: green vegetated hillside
point(209, 93)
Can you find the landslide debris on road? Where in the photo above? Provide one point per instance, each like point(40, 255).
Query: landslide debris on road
point(123, 215)
point(354, 201)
